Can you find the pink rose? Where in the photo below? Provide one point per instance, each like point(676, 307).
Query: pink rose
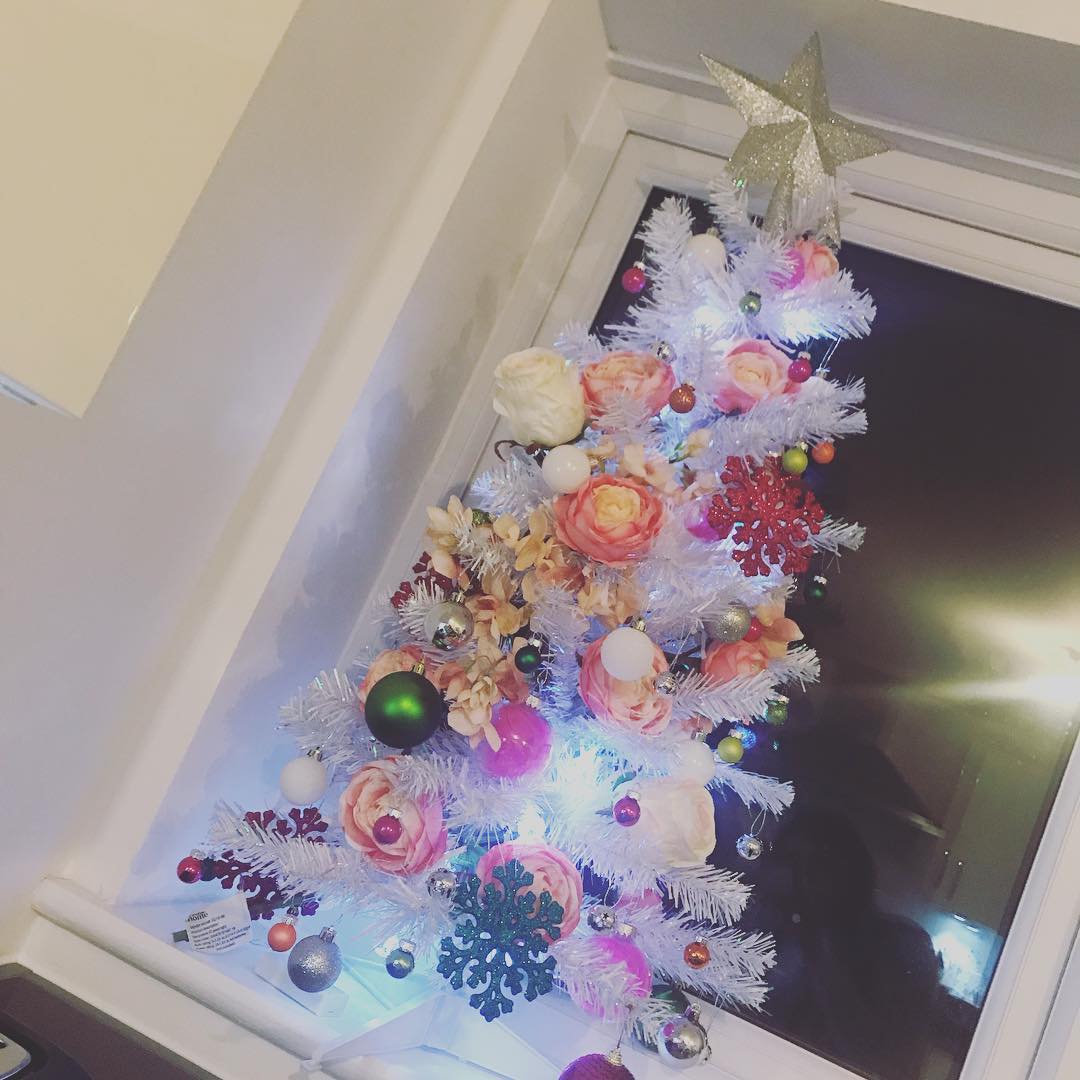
point(724, 662)
point(371, 794)
point(612, 519)
point(629, 706)
point(389, 661)
point(640, 376)
point(677, 818)
point(778, 631)
point(552, 872)
point(749, 372)
point(818, 261)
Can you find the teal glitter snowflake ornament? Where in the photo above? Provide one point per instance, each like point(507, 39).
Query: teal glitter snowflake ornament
point(502, 940)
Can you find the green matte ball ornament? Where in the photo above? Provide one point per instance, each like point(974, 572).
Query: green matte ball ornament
point(750, 304)
point(816, 589)
point(403, 709)
point(776, 712)
point(794, 461)
point(730, 749)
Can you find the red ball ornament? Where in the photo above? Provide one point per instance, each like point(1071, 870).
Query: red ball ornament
point(801, 368)
point(597, 1067)
point(755, 631)
point(823, 453)
point(634, 279)
point(697, 955)
point(281, 937)
point(683, 398)
point(387, 830)
point(627, 810)
point(189, 870)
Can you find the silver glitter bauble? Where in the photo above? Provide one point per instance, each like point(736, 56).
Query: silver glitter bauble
point(682, 1041)
point(750, 304)
point(665, 683)
point(315, 962)
point(399, 963)
point(442, 883)
point(601, 918)
point(749, 847)
point(448, 625)
point(730, 625)
point(665, 351)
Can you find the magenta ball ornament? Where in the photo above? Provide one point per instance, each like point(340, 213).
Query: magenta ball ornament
point(597, 1067)
point(627, 810)
point(800, 368)
point(525, 746)
point(634, 279)
point(620, 950)
point(387, 830)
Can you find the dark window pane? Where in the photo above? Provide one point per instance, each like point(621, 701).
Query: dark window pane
point(926, 761)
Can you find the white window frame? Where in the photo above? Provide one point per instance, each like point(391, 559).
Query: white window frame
point(993, 229)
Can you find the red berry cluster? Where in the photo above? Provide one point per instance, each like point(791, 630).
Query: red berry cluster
point(769, 513)
point(425, 574)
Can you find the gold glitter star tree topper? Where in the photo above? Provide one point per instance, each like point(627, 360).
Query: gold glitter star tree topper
point(795, 141)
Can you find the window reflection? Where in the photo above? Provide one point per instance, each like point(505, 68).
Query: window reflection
point(927, 759)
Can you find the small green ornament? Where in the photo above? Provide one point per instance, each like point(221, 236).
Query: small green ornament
point(776, 712)
point(403, 709)
point(794, 461)
point(730, 749)
point(528, 658)
point(816, 590)
point(750, 304)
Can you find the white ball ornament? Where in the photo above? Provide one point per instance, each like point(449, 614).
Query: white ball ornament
point(627, 653)
point(566, 468)
point(304, 780)
point(695, 761)
point(709, 251)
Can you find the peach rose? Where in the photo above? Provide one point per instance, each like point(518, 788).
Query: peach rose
point(389, 661)
point(724, 662)
point(750, 371)
point(677, 816)
point(552, 872)
point(778, 631)
point(630, 706)
point(612, 519)
point(640, 376)
point(818, 261)
point(371, 793)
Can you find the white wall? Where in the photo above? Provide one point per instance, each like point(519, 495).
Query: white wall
point(113, 113)
point(111, 525)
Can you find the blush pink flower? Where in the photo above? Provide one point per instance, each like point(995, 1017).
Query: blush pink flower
point(818, 261)
point(749, 372)
point(677, 818)
point(778, 631)
point(640, 376)
point(612, 519)
point(373, 792)
point(552, 872)
point(389, 661)
point(724, 662)
point(634, 707)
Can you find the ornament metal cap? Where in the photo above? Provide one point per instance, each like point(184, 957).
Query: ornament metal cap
point(637, 623)
point(315, 752)
point(614, 1056)
point(328, 933)
point(419, 667)
point(625, 930)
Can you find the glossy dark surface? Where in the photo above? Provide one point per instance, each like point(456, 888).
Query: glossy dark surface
point(927, 759)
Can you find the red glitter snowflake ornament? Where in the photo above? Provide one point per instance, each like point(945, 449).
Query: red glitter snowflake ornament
point(772, 515)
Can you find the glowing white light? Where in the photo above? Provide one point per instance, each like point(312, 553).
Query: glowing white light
point(531, 824)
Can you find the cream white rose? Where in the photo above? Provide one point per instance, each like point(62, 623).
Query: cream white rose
point(676, 818)
point(541, 395)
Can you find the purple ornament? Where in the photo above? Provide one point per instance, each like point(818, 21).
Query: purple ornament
point(597, 1067)
point(801, 368)
point(526, 743)
point(697, 521)
point(387, 830)
point(627, 810)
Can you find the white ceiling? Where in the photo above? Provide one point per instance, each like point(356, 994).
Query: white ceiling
point(949, 88)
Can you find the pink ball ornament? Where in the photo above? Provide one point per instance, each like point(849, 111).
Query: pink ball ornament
point(597, 1067)
point(801, 368)
point(634, 279)
point(697, 521)
point(626, 811)
point(619, 950)
point(526, 743)
point(795, 274)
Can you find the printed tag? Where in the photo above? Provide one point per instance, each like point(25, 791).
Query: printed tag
point(217, 927)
